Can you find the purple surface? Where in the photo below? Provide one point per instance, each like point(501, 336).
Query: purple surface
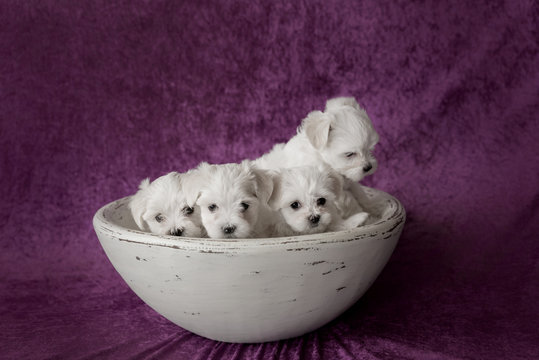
point(95, 96)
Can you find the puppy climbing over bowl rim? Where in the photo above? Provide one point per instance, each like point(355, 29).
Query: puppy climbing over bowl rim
point(250, 290)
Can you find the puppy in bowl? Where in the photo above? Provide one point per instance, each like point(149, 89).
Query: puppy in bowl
point(306, 199)
point(161, 207)
point(233, 199)
point(341, 137)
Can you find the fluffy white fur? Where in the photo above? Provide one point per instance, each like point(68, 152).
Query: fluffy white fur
point(161, 207)
point(306, 201)
point(341, 137)
point(233, 199)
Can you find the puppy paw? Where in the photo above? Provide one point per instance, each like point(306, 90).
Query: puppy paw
point(356, 220)
point(352, 222)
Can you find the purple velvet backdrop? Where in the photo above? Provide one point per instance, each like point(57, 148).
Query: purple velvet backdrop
point(95, 96)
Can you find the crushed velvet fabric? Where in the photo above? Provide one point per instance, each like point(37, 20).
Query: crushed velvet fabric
point(97, 95)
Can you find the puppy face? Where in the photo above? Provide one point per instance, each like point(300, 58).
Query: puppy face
point(230, 197)
point(344, 137)
point(305, 197)
point(161, 208)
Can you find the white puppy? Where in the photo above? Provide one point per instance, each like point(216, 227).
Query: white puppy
point(306, 199)
point(341, 137)
point(161, 207)
point(233, 199)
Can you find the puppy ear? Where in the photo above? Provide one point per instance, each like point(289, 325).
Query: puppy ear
point(263, 180)
point(342, 101)
point(138, 202)
point(275, 198)
point(192, 183)
point(316, 127)
point(264, 184)
point(336, 183)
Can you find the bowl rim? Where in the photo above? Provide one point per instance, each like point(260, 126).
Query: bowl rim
point(383, 226)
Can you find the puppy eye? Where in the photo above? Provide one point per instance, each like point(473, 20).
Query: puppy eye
point(350, 154)
point(212, 207)
point(295, 205)
point(320, 201)
point(159, 218)
point(188, 210)
point(245, 206)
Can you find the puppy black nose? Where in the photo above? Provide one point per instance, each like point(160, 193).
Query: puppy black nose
point(314, 219)
point(176, 232)
point(367, 167)
point(229, 229)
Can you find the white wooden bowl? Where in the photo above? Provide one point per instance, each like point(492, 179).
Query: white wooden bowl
point(250, 290)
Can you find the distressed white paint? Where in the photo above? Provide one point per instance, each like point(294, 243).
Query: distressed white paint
point(250, 290)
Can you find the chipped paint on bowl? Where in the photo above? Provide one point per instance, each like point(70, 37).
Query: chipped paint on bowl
point(250, 290)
